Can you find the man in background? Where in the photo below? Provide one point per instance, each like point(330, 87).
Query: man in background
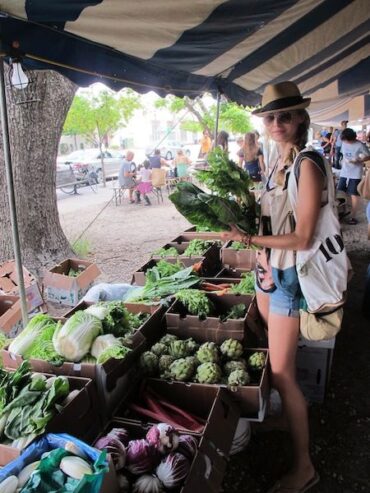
point(336, 144)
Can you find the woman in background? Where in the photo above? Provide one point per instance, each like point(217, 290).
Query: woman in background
point(251, 157)
point(181, 163)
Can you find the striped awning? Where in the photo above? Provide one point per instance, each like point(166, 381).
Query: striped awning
point(193, 46)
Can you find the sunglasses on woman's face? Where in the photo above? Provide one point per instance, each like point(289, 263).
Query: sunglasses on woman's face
point(285, 117)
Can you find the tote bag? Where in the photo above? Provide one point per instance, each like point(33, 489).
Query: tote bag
point(363, 187)
point(323, 269)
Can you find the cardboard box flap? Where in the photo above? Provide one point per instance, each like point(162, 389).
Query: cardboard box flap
point(59, 280)
point(10, 312)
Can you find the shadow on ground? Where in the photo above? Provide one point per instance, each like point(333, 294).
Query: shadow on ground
point(339, 428)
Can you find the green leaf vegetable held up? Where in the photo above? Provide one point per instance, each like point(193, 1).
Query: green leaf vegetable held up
point(230, 201)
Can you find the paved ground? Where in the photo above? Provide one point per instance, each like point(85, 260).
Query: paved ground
point(122, 238)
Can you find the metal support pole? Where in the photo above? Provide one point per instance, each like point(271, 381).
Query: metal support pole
point(11, 195)
point(217, 116)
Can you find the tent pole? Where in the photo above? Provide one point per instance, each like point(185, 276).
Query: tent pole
point(11, 195)
point(217, 116)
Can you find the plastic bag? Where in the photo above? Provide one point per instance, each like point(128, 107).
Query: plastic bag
point(108, 292)
point(89, 483)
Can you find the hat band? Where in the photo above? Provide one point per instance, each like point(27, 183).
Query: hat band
point(282, 103)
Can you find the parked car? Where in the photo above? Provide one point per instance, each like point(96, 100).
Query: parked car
point(91, 159)
point(169, 149)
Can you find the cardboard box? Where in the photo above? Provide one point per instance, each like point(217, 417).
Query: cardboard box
point(313, 365)
point(111, 378)
point(9, 284)
point(138, 277)
point(212, 405)
point(10, 315)
point(180, 323)
point(251, 399)
point(227, 273)
point(66, 290)
point(80, 417)
point(210, 258)
point(207, 467)
point(242, 259)
point(152, 329)
point(192, 233)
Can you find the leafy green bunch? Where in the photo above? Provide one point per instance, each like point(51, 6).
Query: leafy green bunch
point(229, 203)
point(197, 247)
point(196, 302)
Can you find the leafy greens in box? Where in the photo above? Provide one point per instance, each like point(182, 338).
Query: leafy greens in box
point(229, 203)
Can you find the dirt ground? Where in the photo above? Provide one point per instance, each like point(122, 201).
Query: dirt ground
point(121, 240)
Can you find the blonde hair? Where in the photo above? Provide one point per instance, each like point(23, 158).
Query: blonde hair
point(299, 144)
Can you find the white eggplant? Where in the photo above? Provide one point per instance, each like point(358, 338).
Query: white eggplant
point(9, 485)
point(72, 447)
point(75, 467)
point(26, 472)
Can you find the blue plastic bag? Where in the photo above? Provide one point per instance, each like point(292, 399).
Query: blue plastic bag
point(89, 484)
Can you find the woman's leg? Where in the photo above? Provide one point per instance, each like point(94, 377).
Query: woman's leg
point(355, 204)
point(263, 303)
point(283, 337)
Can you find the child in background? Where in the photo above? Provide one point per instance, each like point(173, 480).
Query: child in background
point(145, 185)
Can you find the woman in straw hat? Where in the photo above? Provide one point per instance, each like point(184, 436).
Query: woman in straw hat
point(278, 294)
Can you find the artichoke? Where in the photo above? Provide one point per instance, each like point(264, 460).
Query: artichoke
point(149, 363)
point(231, 348)
point(238, 377)
point(168, 338)
point(159, 349)
point(191, 345)
point(181, 370)
point(193, 360)
point(257, 361)
point(230, 366)
point(178, 349)
point(208, 353)
point(209, 373)
point(165, 361)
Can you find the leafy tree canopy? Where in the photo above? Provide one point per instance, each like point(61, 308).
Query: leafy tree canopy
point(233, 117)
point(96, 117)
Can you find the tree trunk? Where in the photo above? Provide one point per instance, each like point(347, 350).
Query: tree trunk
point(35, 129)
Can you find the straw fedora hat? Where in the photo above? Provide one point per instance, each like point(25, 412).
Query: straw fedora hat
point(281, 97)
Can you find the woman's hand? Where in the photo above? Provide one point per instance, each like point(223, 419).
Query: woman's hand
point(234, 234)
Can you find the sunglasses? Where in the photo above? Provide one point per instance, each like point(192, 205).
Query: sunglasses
point(285, 117)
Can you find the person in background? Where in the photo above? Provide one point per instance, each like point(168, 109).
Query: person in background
point(205, 144)
point(126, 175)
point(326, 143)
point(181, 163)
point(354, 154)
point(336, 144)
point(251, 157)
point(145, 185)
point(156, 161)
point(223, 141)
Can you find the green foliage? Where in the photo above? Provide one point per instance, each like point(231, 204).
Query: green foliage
point(236, 312)
point(166, 252)
point(81, 247)
point(96, 117)
point(238, 245)
point(196, 302)
point(245, 286)
point(165, 268)
point(197, 247)
point(233, 117)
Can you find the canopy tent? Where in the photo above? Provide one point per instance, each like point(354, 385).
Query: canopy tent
point(234, 47)
point(187, 48)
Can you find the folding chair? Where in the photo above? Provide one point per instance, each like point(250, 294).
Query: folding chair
point(158, 181)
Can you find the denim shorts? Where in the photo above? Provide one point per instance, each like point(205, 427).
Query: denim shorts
point(285, 299)
point(348, 185)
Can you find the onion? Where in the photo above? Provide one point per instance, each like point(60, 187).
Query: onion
point(115, 448)
point(164, 437)
point(148, 483)
point(141, 457)
point(188, 446)
point(173, 470)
